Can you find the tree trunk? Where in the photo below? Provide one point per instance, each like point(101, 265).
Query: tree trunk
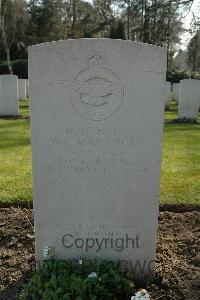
point(7, 53)
point(73, 18)
point(142, 21)
point(154, 21)
point(195, 53)
point(128, 20)
point(146, 23)
point(3, 33)
point(168, 35)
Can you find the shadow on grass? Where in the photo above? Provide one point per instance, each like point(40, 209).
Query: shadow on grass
point(182, 127)
point(15, 143)
point(19, 117)
point(14, 134)
point(17, 203)
point(9, 124)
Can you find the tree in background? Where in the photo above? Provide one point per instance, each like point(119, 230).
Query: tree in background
point(3, 33)
point(193, 53)
point(152, 21)
point(193, 49)
point(180, 61)
point(13, 20)
point(117, 31)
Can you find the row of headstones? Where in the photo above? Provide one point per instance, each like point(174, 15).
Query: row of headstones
point(187, 96)
point(12, 89)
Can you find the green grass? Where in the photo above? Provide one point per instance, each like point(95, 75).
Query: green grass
point(180, 178)
point(172, 112)
point(24, 107)
point(15, 161)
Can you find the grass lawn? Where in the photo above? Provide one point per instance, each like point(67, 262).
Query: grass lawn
point(15, 161)
point(172, 112)
point(24, 107)
point(180, 179)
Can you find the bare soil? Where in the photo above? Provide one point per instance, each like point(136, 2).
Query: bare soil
point(177, 272)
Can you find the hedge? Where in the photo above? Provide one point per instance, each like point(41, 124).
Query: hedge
point(20, 68)
point(177, 76)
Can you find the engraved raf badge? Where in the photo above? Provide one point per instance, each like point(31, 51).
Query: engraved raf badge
point(96, 91)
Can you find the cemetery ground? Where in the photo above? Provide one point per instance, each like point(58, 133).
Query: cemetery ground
point(177, 274)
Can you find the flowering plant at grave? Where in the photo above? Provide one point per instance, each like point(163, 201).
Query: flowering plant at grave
point(141, 295)
point(80, 262)
point(85, 279)
point(92, 275)
point(48, 252)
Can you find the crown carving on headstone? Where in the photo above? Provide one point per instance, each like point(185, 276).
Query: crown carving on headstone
point(96, 60)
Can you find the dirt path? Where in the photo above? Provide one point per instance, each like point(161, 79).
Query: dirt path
point(177, 274)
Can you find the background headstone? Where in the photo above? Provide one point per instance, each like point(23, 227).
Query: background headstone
point(97, 123)
point(189, 101)
point(167, 93)
point(9, 95)
point(176, 91)
point(27, 88)
point(22, 88)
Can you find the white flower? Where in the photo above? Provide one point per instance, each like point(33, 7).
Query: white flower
point(80, 262)
point(47, 252)
point(92, 275)
point(141, 295)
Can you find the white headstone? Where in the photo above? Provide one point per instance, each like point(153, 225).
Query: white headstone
point(22, 88)
point(97, 123)
point(167, 93)
point(176, 91)
point(9, 95)
point(189, 101)
point(27, 88)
